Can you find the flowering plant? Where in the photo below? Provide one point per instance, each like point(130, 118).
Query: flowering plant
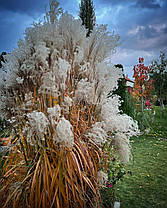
point(108, 180)
point(109, 185)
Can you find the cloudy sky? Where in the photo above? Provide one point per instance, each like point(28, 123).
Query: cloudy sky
point(141, 24)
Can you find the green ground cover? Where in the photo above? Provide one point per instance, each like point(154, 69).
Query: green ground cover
point(147, 186)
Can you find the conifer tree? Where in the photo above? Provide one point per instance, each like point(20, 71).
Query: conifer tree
point(87, 15)
point(2, 58)
point(121, 90)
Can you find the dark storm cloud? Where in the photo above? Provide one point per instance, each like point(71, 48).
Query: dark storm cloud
point(12, 26)
point(148, 32)
point(29, 7)
point(147, 37)
point(165, 30)
point(23, 6)
point(113, 2)
point(16, 15)
point(141, 24)
point(151, 4)
point(145, 32)
point(150, 26)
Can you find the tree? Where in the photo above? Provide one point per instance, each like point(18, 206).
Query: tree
point(121, 90)
point(127, 105)
point(87, 15)
point(2, 58)
point(158, 73)
point(143, 84)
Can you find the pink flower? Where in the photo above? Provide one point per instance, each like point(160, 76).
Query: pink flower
point(109, 185)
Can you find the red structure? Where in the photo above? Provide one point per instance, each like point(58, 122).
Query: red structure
point(129, 83)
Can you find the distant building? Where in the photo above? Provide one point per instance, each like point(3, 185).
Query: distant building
point(129, 84)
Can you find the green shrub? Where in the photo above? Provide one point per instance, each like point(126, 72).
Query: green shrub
point(129, 105)
point(116, 172)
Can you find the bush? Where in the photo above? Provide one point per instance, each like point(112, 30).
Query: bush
point(115, 172)
point(55, 97)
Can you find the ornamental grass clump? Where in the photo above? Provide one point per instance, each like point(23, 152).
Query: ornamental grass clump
point(54, 89)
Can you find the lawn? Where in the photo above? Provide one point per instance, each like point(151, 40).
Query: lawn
point(147, 186)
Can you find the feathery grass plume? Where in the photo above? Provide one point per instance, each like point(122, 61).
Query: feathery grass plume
point(54, 89)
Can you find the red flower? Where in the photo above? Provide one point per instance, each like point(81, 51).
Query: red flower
point(109, 185)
